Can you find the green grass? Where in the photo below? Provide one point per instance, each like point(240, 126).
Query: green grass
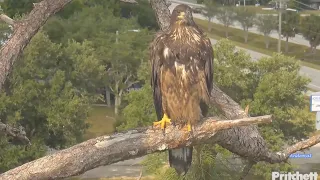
point(101, 119)
point(256, 43)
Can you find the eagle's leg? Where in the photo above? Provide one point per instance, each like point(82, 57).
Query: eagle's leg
point(165, 119)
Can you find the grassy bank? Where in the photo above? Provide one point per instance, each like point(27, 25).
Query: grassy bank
point(101, 119)
point(256, 43)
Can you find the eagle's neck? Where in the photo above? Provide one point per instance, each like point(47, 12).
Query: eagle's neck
point(188, 34)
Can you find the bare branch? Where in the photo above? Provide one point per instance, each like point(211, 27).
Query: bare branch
point(23, 32)
point(284, 155)
point(111, 149)
point(6, 19)
point(16, 133)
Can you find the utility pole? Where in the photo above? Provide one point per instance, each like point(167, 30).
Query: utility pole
point(244, 2)
point(280, 7)
point(280, 22)
point(117, 34)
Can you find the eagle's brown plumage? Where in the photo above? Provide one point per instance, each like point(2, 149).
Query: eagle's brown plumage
point(182, 76)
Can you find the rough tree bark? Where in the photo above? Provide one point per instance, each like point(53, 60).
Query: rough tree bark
point(244, 141)
point(111, 149)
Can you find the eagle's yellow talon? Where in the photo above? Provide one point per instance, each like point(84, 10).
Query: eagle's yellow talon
point(189, 127)
point(165, 119)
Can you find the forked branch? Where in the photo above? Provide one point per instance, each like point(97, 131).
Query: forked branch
point(111, 149)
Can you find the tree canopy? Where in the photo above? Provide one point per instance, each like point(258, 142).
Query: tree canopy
point(52, 88)
point(246, 18)
point(289, 26)
point(310, 29)
point(266, 24)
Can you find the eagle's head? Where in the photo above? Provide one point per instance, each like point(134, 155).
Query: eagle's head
point(182, 15)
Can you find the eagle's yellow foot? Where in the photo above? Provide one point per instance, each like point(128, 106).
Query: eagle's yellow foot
point(165, 119)
point(188, 127)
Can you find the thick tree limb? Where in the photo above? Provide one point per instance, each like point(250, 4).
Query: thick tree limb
point(17, 133)
point(111, 149)
point(6, 19)
point(162, 13)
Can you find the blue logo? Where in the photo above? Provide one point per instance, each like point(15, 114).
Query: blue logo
point(300, 156)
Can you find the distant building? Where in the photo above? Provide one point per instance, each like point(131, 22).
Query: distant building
point(315, 4)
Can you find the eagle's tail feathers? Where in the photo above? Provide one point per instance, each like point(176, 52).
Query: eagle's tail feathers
point(180, 159)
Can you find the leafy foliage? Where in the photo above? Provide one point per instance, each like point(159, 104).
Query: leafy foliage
point(246, 18)
point(121, 53)
point(144, 14)
point(210, 11)
point(310, 29)
point(48, 93)
point(226, 16)
point(265, 25)
point(289, 26)
point(17, 7)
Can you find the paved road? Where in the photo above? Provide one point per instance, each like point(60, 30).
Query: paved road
point(297, 40)
point(129, 168)
point(313, 74)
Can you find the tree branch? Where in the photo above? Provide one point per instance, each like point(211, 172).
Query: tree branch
point(282, 156)
point(24, 30)
point(16, 133)
point(106, 150)
point(6, 19)
point(162, 13)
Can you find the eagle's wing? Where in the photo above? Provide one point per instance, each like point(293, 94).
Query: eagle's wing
point(156, 49)
point(207, 56)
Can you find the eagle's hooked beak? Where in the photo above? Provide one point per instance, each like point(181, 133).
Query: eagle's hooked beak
point(181, 15)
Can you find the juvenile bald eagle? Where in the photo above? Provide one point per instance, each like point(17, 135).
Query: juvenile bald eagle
point(182, 76)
